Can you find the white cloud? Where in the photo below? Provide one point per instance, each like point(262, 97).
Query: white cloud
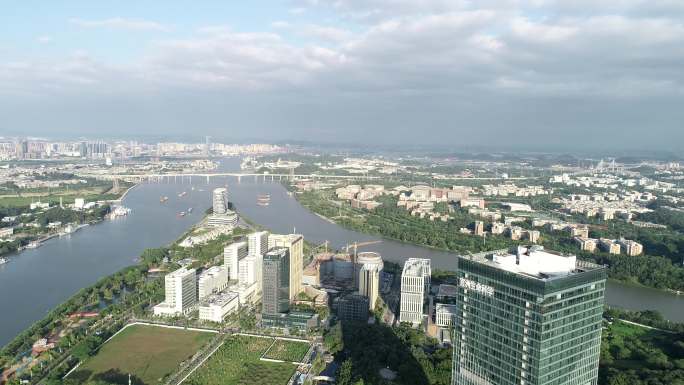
point(121, 23)
point(442, 46)
point(44, 39)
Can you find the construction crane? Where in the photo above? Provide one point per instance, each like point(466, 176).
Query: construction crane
point(356, 245)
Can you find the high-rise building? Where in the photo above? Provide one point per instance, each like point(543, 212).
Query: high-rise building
point(276, 283)
point(220, 200)
point(370, 264)
point(258, 243)
point(180, 293)
point(258, 246)
point(415, 285)
point(295, 245)
point(232, 254)
point(247, 269)
point(212, 280)
point(532, 317)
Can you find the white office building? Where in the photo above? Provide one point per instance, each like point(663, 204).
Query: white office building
point(415, 284)
point(258, 246)
point(258, 243)
point(370, 264)
point(232, 254)
point(212, 281)
point(220, 200)
point(180, 293)
point(216, 307)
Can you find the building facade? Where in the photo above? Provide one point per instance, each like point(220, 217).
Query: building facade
point(531, 317)
point(232, 254)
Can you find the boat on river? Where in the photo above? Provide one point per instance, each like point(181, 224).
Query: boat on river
point(264, 199)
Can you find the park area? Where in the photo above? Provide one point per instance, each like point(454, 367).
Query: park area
point(237, 363)
point(147, 353)
point(290, 351)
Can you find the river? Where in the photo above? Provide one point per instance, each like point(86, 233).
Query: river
point(37, 280)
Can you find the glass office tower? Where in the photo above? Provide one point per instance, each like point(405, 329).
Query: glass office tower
point(529, 317)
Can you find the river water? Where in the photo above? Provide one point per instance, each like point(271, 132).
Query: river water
point(38, 280)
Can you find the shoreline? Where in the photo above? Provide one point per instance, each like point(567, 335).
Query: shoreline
point(136, 263)
point(123, 196)
point(46, 237)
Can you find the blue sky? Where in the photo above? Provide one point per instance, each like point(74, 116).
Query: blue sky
point(40, 29)
point(508, 72)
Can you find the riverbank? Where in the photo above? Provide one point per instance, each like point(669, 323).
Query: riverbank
point(123, 196)
point(38, 239)
point(397, 225)
point(134, 280)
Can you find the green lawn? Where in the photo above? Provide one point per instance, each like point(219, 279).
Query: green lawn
point(289, 351)
point(237, 363)
point(148, 353)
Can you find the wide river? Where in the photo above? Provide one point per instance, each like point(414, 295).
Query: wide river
point(37, 280)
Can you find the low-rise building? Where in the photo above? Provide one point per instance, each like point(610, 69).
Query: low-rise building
point(212, 281)
point(532, 235)
point(478, 228)
point(217, 306)
point(515, 233)
point(498, 228)
point(586, 244)
point(352, 307)
point(609, 246)
point(631, 248)
point(445, 314)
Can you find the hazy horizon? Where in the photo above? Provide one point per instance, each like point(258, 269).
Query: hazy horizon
point(551, 74)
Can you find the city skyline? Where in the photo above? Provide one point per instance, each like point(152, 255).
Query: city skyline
point(493, 73)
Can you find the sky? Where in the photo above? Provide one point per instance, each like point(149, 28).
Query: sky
point(537, 73)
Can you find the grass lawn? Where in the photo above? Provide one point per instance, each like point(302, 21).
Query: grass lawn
point(237, 363)
point(289, 351)
point(148, 353)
